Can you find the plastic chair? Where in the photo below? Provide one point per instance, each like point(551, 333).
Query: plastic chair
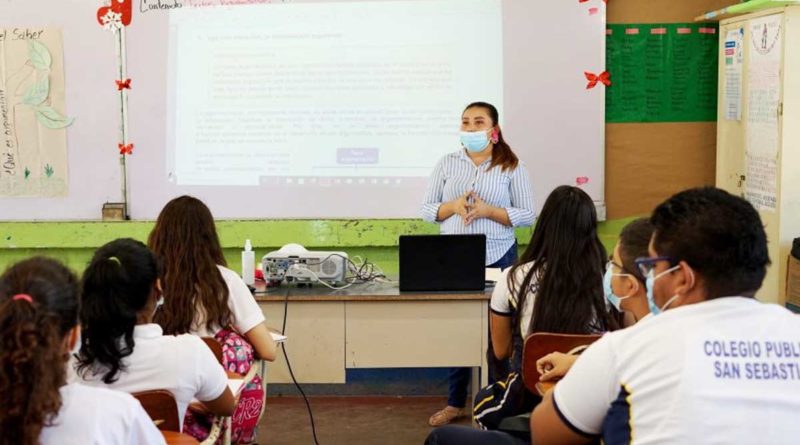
point(160, 405)
point(536, 346)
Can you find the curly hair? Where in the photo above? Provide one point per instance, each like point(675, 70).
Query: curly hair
point(38, 308)
point(185, 240)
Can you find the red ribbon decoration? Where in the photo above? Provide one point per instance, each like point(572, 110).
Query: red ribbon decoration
point(604, 78)
point(123, 84)
point(125, 149)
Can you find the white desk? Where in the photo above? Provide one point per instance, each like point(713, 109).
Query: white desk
point(376, 326)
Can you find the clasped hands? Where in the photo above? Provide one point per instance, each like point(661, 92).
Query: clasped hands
point(470, 207)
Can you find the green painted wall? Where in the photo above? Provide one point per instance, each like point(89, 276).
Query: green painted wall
point(376, 240)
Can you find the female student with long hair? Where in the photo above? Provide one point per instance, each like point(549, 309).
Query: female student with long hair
point(624, 290)
point(39, 307)
point(557, 286)
point(121, 348)
point(483, 188)
point(203, 297)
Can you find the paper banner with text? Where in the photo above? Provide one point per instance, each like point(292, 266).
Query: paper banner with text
point(33, 141)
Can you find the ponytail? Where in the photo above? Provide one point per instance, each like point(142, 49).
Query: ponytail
point(502, 155)
point(38, 308)
point(116, 287)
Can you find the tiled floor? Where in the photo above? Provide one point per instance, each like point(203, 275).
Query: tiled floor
point(349, 420)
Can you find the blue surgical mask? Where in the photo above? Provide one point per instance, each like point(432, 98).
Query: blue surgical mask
point(475, 141)
point(609, 291)
point(651, 281)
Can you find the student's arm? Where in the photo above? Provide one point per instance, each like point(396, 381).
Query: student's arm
point(212, 381)
point(500, 318)
point(501, 336)
point(248, 319)
point(224, 405)
point(548, 428)
point(573, 412)
point(262, 342)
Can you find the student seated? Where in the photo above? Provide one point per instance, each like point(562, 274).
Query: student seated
point(38, 329)
point(206, 298)
point(122, 349)
point(624, 288)
point(711, 365)
point(557, 286)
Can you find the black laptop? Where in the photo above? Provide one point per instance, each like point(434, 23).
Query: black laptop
point(442, 262)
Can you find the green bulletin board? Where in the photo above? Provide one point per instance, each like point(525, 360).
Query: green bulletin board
point(662, 72)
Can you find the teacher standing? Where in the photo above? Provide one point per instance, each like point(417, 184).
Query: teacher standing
point(483, 188)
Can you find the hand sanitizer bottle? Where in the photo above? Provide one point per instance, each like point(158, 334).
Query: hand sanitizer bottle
point(248, 264)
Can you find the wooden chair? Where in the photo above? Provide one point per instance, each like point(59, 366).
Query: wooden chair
point(223, 424)
point(160, 405)
point(536, 346)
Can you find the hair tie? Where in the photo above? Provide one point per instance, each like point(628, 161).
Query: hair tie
point(115, 260)
point(25, 297)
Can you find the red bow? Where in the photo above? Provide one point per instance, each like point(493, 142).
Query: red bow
point(603, 78)
point(125, 149)
point(123, 84)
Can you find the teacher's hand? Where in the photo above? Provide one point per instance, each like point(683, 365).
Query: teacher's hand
point(460, 206)
point(478, 209)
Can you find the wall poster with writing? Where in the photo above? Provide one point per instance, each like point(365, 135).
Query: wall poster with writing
point(763, 101)
point(662, 73)
point(33, 141)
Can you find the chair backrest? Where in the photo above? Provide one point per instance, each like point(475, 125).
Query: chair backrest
point(160, 405)
point(539, 344)
point(215, 347)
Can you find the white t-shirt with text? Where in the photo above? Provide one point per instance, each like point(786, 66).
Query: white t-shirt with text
point(721, 371)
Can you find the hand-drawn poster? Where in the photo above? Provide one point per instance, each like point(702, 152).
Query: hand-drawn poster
point(763, 101)
point(734, 54)
point(33, 142)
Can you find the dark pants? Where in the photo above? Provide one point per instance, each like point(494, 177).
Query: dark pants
point(459, 377)
point(464, 435)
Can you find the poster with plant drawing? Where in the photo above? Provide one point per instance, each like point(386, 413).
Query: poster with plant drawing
point(33, 118)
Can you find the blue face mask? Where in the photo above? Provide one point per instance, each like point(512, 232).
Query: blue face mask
point(609, 291)
point(475, 141)
point(651, 281)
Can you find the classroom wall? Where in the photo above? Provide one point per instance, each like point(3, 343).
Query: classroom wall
point(648, 162)
point(374, 240)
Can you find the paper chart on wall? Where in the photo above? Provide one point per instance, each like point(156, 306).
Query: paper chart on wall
point(33, 143)
point(733, 55)
point(762, 117)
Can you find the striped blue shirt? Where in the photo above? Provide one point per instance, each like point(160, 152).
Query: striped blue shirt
point(455, 174)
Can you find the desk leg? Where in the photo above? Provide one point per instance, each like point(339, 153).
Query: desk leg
point(480, 375)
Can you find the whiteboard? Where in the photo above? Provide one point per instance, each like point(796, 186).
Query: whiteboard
point(553, 122)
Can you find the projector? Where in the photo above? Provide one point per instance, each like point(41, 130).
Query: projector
point(293, 263)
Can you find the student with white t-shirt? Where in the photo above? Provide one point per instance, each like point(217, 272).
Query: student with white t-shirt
point(205, 298)
point(39, 308)
point(624, 288)
point(556, 287)
point(711, 365)
point(122, 349)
